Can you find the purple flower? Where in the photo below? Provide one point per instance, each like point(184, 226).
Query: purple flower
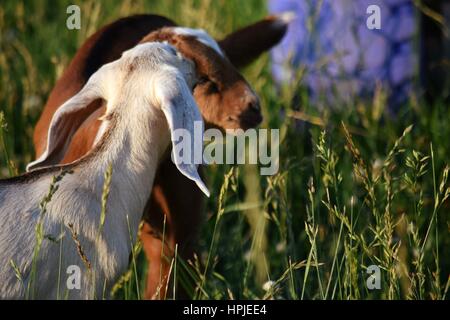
point(331, 39)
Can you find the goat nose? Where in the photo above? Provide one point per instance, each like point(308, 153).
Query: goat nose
point(250, 100)
point(253, 104)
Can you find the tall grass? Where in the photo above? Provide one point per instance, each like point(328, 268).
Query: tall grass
point(356, 186)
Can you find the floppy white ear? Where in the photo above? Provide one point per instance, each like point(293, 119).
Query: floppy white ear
point(182, 115)
point(65, 122)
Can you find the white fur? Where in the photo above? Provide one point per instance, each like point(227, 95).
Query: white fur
point(158, 88)
point(201, 35)
point(286, 17)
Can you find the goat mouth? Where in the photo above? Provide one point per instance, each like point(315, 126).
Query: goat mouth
point(250, 119)
point(248, 124)
point(244, 121)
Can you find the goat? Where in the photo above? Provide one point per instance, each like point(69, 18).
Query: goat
point(148, 94)
point(225, 100)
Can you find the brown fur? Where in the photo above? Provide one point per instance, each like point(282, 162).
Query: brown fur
point(221, 84)
point(173, 196)
point(247, 43)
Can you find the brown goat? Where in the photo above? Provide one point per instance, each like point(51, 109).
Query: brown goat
point(225, 100)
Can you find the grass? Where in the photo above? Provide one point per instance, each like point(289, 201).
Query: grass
point(356, 186)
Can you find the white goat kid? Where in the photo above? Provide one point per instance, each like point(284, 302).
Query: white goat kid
point(148, 94)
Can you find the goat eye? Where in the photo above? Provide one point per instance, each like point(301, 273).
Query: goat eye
point(212, 87)
point(202, 80)
point(208, 84)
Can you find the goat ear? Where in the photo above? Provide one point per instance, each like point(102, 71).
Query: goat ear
point(65, 122)
point(185, 121)
point(246, 44)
